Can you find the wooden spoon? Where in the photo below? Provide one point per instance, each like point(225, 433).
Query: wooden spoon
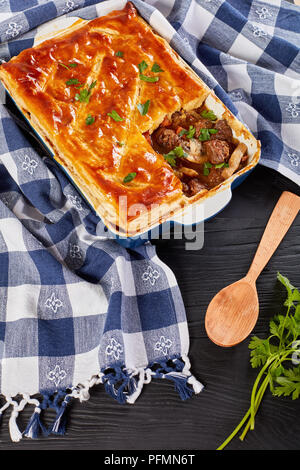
point(233, 312)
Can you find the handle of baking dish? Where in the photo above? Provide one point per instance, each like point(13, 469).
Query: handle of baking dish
point(204, 210)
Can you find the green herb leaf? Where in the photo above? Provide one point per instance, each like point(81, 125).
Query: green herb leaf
point(143, 108)
point(92, 85)
point(83, 96)
point(89, 120)
point(149, 79)
point(121, 143)
point(281, 348)
point(73, 81)
point(72, 65)
point(156, 68)
point(204, 135)
point(129, 177)
point(142, 66)
point(115, 116)
point(289, 383)
point(177, 152)
point(206, 114)
point(191, 132)
point(206, 168)
point(170, 158)
point(222, 165)
point(119, 54)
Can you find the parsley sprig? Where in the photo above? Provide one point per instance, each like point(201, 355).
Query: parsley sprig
point(84, 95)
point(208, 114)
point(275, 356)
point(171, 157)
point(189, 134)
point(143, 108)
point(206, 133)
point(146, 78)
point(69, 66)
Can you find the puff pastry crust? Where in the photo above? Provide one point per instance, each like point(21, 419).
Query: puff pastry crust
point(96, 150)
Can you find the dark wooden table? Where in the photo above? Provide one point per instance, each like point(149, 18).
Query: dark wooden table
point(159, 419)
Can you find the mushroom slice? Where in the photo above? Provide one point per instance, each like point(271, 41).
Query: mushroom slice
point(189, 171)
point(234, 160)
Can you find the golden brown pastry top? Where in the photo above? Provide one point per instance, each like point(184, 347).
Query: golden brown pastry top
point(107, 52)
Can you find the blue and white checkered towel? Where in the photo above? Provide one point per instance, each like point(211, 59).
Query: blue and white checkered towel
point(77, 309)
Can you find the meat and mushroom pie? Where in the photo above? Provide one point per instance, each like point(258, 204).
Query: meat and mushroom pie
point(134, 127)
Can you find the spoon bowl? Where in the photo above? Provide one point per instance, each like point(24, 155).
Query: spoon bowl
point(233, 312)
point(237, 312)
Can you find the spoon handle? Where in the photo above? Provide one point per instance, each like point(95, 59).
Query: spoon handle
point(280, 221)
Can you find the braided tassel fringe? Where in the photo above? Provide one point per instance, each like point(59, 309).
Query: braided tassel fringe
point(124, 385)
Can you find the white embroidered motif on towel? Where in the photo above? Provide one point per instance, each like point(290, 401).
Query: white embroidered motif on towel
point(29, 164)
point(75, 252)
point(75, 201)
point(295, 159)
point(13, 30)
point(57, 375)
point(263, 13)
point(163, 345)
point(114, 349)
point(293, 109)
point(150, 275)
point(70, 6)
point(53, 303)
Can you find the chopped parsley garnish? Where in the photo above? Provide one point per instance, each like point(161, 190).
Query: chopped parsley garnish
point(143, 108)
point(177, 152)
point(205, 134)
point(222, 165)
point(129, 177)
point(119, 54)
point(72, 65)
point(156, 68)
point(115, 116)
point(92, 85)
point(189, 134)
point(121, 143)
point(142, 66)
point(209, 115)
point(149, 79)
point(89, 120)
point(206, 169)
point(73, 81)
point(84, 95)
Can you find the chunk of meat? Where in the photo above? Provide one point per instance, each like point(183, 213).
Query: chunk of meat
point(224, 131)
point(184, 119)
point(195, 186)
point(166, 139)
point(213, 178)
point(217, 151)
point(202, 124)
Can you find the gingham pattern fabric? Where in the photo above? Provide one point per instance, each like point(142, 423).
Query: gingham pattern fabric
point(247, 51)
point(75, 308)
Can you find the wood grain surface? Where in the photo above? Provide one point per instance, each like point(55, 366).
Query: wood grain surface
point(159, 419)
